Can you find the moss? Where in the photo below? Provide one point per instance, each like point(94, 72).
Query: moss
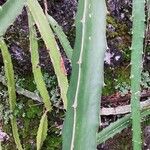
point(28, 121)
point(29, 113)
point(26, 82)
point(121, 32)
point(113, 77)
point(52, 142)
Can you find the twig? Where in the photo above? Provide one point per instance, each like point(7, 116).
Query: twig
point(104, 111)
point(115, 99)
point(122, 109)
point(22, 91)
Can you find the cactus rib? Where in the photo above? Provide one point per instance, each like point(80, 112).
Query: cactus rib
point(75, 104)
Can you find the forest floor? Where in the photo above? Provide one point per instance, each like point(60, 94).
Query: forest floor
point(116, 91)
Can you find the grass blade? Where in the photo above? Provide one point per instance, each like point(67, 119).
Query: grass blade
point(9, 73)
point(51, 44)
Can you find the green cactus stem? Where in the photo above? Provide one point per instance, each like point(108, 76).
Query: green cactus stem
point(138, 30)
point(82, 117)
point(9, 12)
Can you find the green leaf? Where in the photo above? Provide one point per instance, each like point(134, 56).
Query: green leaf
point(9, 12)
point(9, 73)
point(38, 77)
point(118, 126)
point(51, 44)
point(42, 131)
point(61, 36)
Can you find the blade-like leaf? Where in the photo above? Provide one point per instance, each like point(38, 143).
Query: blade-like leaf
point(61, 35)
point(51, 44)
point(38, 77)
point(117, 127)
point(42, 131)
point(8, 13)
point(9, 73)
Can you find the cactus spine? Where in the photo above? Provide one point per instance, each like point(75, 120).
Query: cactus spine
point(82, 117)
point(138, 14)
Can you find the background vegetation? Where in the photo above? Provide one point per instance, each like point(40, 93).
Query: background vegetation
point(41, 83)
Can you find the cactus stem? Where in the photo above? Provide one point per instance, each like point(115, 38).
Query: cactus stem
point(89, 37)
point(90, 15)
point(89, 6)
point(81, 102)
point(79, 74)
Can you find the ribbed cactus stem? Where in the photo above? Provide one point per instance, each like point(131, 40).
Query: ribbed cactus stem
point(75, 104)
point(82, 117)
point(138, 14)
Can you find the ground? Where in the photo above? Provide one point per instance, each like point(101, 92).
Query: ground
point(116, 73)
